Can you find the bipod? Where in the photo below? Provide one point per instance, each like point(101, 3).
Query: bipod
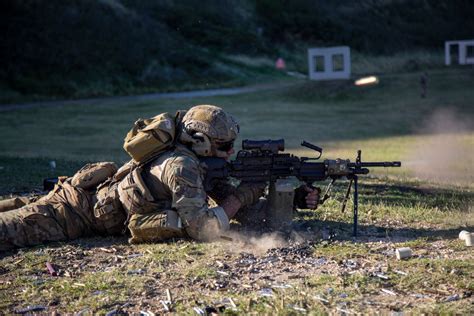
point(354, 179)
point(356, 205)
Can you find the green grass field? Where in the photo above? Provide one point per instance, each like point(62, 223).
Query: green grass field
point(422, 205)
point(388, 121)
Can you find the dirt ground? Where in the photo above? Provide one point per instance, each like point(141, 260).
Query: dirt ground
point(301, 271)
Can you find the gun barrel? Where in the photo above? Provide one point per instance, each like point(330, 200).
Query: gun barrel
point(376, 164)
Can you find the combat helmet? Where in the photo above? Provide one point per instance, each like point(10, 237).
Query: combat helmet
point(209, 130)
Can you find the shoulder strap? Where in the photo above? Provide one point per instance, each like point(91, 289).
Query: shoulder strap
point(178, 120)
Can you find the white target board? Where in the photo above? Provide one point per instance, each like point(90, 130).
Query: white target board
point(465, 52)
point(328, 63)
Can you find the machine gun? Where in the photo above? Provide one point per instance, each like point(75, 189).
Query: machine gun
point(265, 162)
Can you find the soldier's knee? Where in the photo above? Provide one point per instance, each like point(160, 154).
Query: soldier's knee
point(29, 226)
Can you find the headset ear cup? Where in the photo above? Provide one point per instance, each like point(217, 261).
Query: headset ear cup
point(201, 144)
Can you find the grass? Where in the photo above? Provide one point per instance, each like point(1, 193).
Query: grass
point(351, 276)
point(400, 207)
point(388, 121)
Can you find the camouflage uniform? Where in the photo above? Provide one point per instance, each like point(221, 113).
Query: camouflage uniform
point(161, 199)
point(67, 212)
point(167, 196)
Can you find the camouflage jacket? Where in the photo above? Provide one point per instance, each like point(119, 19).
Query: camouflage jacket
point(173, 180)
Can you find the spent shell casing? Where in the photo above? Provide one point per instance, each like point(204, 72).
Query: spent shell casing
point(403, 253)
point(51, 270)
point(468, 238)
point(463, 234)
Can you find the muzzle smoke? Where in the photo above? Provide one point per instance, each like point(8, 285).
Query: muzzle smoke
point(446, 154)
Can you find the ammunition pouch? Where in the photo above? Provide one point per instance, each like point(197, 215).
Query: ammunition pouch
point(108, 210)
point(155, 227)
point(280, 208)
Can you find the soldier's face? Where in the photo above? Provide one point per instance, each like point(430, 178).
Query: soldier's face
point(229, 153)
point(227, 148)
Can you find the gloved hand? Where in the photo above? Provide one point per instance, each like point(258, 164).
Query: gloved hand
point(249, 193)
point(307, 197)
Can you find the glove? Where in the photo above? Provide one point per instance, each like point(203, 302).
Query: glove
point(307, 197)
point(249, 193)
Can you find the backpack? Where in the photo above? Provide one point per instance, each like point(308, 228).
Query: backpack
point(150, 137)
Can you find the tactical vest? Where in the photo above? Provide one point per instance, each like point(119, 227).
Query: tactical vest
point(149, 219)
point(136, 197)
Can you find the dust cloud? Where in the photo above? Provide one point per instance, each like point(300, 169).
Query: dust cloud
point(258, 243)
point(243, 242)
point(446, 154)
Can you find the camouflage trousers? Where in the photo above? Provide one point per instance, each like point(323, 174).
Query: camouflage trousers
point(68, 212)
point(65, 213)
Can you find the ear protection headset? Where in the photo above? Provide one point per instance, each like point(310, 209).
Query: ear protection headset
point(200, 142)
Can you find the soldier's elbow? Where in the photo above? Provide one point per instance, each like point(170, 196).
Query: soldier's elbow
point(209, 226)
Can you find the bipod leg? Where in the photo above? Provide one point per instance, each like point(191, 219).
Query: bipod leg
point(344, 202)
point(356, 205)
point(326, 193)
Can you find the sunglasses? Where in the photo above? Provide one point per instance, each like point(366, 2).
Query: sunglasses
point(225, 146)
